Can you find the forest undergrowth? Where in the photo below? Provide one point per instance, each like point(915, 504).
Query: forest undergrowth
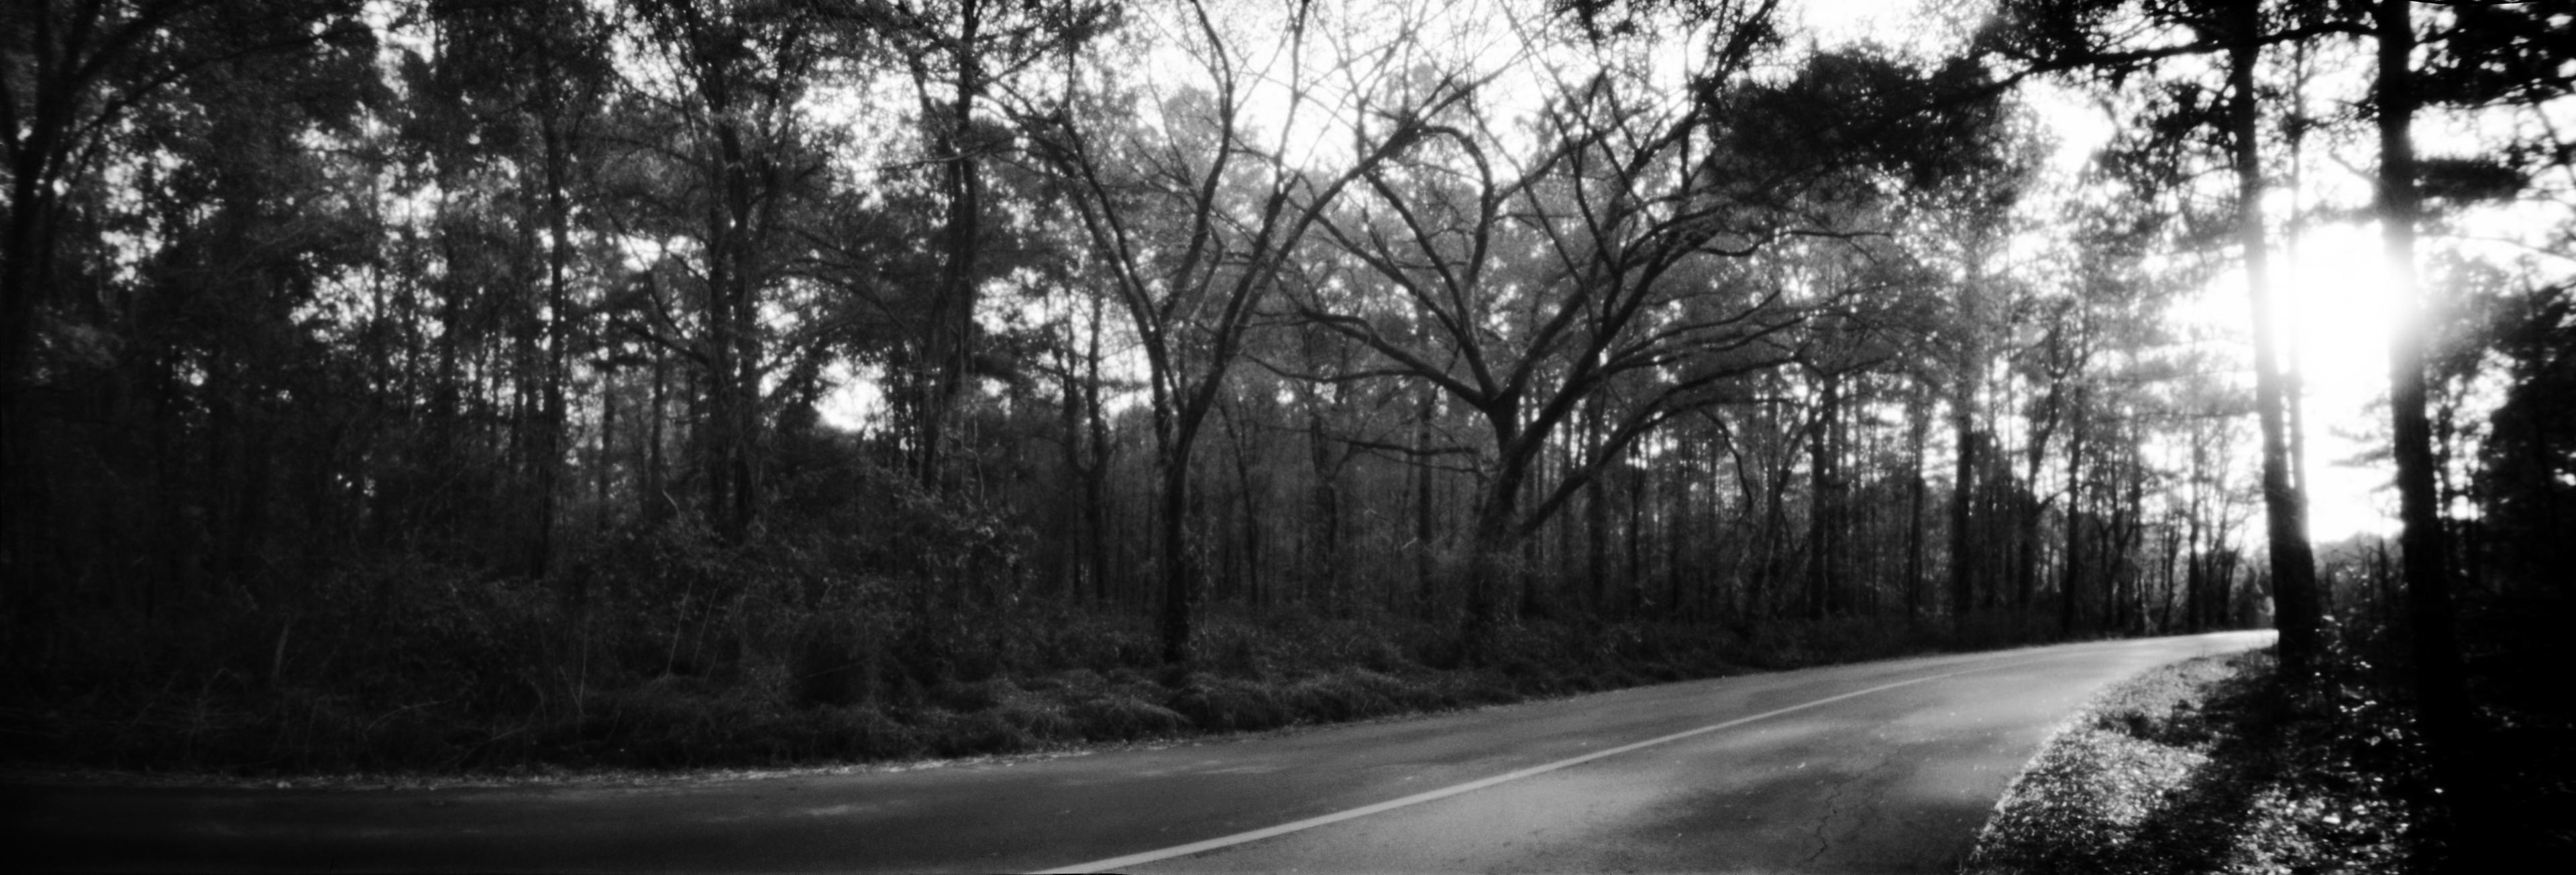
point(677, 654)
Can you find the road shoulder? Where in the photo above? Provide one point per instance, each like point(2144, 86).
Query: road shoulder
point(2199, 766)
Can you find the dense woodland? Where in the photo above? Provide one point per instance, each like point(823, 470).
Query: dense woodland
point(430, 384)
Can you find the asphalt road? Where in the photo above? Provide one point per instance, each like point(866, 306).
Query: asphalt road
point(1876, 767)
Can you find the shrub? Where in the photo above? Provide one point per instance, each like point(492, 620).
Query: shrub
point(960, 735)
point(1119, 716)
point(1220, 704)
point(1349, 694)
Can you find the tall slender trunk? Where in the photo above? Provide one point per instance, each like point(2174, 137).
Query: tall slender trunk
point(2027, 514)
point(1918, 425)
point(734, 279)
point(2198, 610)
point(1249, 518)
point(1963, 486)
point(1179, 560)
point(1824, 500)
point(656, 504)
point(607, 464)
point(23, 583)
point(1327, 500)
point(550, 433)
point(2205, 609)
point(1677, 521)
point(1640, 494)
point(2167, 573)
point(2223, 577)
point(1776, 557)
point(1570, 558)
point(1425, 556)
point(1065, 549)
point(2442, 704)
point(950, 335)
point(1596, 514)
point(2127, 606)
point(2068, 585)
point(1095, 478)
point(2293, 564)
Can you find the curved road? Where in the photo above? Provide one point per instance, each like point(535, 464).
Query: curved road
point(1876, 767)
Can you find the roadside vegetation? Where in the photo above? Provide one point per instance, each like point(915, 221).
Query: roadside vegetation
point(2205, 766)
point(495, 681)
point(2216, 765)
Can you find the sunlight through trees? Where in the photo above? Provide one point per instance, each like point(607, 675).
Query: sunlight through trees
point(520, 345)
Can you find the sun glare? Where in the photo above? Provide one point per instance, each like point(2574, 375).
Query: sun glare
point(2334, 317)
point(2337, 318)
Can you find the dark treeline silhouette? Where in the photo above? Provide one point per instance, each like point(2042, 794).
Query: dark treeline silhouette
point(439, 384)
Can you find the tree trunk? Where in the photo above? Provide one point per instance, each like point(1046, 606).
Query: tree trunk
point(1488, 566)
point(1918, 425)
point(1774, 571)
point(656, 508)
point(607, 466)
point(1640, 495)
point(2441, 702)
point(1249, 518)
point(550, 435)
point(1179, 565)
point(2166, 572)
point(2285, 513)
point(1596, 515)
point(1677, 521)
point(1095, 477)
point(1491, 565)
point(26, 262)
point(2073, 579)
point(947, 341)
point(1963, 572)
point(1824, 500)
point(2196, 605)
point(2127, 605)
point(1425, 555)
point(2026, 540)
point(1327, 500)
point(21, 496)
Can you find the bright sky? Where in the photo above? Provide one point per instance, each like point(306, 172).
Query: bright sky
point(2338, 294)
point(1850, 19)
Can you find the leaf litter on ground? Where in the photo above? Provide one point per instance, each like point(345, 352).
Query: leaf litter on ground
point(2204, 766)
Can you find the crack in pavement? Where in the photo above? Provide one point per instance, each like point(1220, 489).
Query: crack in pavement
point(1833, 802)
point(1834, 806)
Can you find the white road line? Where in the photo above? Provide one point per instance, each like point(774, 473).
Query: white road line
point(1471, 786)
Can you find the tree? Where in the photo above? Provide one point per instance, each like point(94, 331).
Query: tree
point(739, 167)
point(1196, 221)
point(2108, 42)
point(2442, 703)
point(1597, 265)
point(964, 56)
point(2294, 583)
point(75, 72)
point(517, 91)
point(2486, 57)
